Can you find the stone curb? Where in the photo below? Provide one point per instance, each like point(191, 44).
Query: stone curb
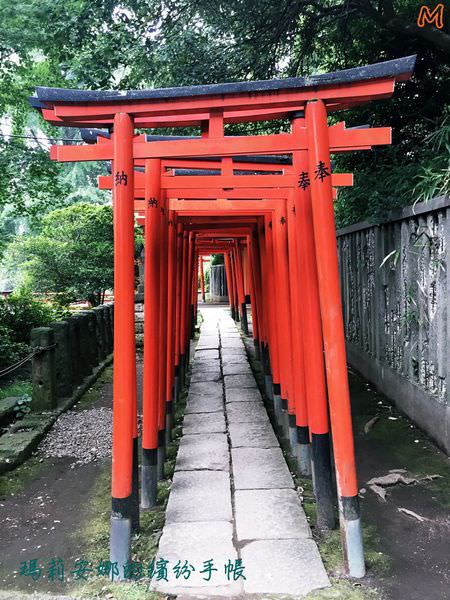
point(24, 452)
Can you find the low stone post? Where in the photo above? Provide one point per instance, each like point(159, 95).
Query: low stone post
point(92, 337)
point(85, 357)
point(111, 324)
point(63, 359)
point(108, 328)
point(75, 349)
point(99, 313)
point(43, 370)
point(73, 324)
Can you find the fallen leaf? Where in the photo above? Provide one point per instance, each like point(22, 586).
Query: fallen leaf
point(430, 477)
point(391, 479)
point(411, 513)
point(379, 491)
point(368, 426)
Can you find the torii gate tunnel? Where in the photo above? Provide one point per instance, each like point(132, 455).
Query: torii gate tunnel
point(266, 203)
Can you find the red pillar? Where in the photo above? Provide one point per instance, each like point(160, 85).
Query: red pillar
point(184, 306)
point(272, 319)
point(253, 300)
point(283, 311)
point(163, 282)
point(124, 339)
point(178, 278)
point(240, 283)
point(202, 280)
point(333, 334)
point(171, 285)
point(229, 277)
point(151, 368)
point(316, 393)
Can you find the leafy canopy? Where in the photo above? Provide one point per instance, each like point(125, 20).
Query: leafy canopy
point(72, 255)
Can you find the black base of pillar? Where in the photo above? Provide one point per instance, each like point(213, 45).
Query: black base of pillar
point(322, 480)
point(303, 452)
point(284, 418)
point(192, 332)
point(244, 323)
point(169, 421)
point(161, 455)
point(277, 406)
point(182, 370)
point(292, 430)
point(135, 487)
point(149, 478)
point(176, 384)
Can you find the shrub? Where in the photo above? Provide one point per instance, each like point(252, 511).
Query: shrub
point(19, 313)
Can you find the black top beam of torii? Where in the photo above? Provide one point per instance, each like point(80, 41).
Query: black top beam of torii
point(398, 68)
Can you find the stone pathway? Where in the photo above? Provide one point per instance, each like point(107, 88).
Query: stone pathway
point(232, 496)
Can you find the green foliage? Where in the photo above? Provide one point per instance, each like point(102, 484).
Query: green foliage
point(23, 406)
point(434, 176)
point(72, 256)
point(19, 313)
point(16, 389)
point(10, 350)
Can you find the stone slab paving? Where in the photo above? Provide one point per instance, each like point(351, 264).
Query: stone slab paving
point(232, 496)
point(207, 375)
point(248, 412)
point(227, 352)
point(199, 496)
point(203, 404)
point(240, 381)
point(244, 395)
point(203, 451)
point(207, 353)
point(292, 567)
point(237, 368)
point(252, 435)
point(260, 468)
point(213, 422)
point(269, 514)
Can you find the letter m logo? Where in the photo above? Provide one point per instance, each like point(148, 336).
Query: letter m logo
point(435, 16)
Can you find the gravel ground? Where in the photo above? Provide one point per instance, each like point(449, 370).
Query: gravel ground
point(85, 435)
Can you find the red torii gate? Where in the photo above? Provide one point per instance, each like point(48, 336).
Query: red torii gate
point(310, 143)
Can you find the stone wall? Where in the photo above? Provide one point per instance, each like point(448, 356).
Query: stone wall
point(218, 284)
point(67, 352)
point(395, 294)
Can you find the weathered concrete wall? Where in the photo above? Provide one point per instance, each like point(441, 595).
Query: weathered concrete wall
point(395, 293)
point(218, 284)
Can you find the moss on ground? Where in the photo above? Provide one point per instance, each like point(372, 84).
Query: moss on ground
point(343, 589)
point(16, 389)
point(13, 482)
